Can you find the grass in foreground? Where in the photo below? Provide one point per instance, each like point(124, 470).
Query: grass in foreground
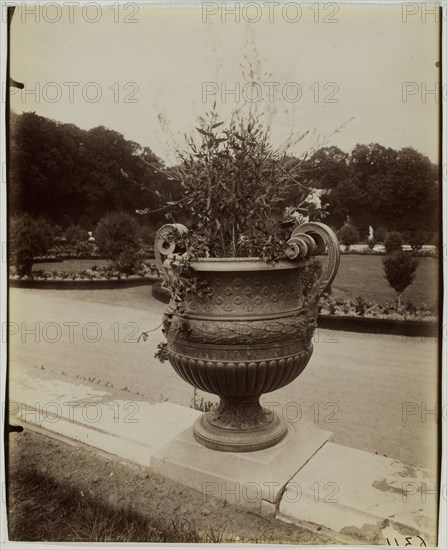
point(62, 493)
point(42, 510)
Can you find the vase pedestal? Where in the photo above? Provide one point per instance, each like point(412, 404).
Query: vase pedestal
point(239, 425)
point(255, 480)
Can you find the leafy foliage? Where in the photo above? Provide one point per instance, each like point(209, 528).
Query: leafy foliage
point(69, 175)
point(381, 233)
point(348, 235)
point(117, 237)
point(371, 242)
point(393, 242)
point(28, 237)
point(417, 240)
point(378, 186)
point(236, 187)
point(61, 172)
point(310, 275)
point(76, 234)
point(360, 305)
point(400, 270)
point(199, 404)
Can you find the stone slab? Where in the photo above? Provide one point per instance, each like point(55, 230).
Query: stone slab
point(131, 429)
point(370, 496)
point(250, 479)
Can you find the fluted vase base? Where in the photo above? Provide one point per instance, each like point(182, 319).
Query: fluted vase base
point(239, 425)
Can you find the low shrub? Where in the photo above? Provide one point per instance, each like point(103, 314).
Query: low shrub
point(348, 235)
point(400, 270)
point(393, 242)
point(371, 243)
point(118, 238)
point(29, 237)
point(360, 305)
point(410, 307)
point(380, 234)
point(76, 234)
point(417, 240)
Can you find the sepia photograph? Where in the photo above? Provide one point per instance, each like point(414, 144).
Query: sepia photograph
point(222, 274)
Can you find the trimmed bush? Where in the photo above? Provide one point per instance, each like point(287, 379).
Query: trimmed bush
point(348, 235)
point(76, 234)
point(147, 237)
point(417, 240)
point(117, 236)
point(380, 234)
point(393, 242)
point(400, 270)
point(28, 237)
point(371, 243)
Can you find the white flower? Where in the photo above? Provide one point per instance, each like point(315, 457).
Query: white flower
point(292, 213)
point(314, 198)
point(299, 218)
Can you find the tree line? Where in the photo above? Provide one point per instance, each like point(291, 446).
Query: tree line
point(63, 173)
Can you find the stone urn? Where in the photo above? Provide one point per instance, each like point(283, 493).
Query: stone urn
point(249, 334)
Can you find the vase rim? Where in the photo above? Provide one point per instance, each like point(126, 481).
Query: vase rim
point(243, 264)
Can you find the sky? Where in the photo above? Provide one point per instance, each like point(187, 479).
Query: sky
point(344, 74)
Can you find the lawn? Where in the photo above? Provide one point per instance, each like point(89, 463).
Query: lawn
point(70, 266)
point(362, 275)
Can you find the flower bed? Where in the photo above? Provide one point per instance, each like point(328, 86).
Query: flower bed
point(372, 310)
point(95, 277)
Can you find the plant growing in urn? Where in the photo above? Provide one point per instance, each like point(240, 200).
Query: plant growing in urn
point(243, 279)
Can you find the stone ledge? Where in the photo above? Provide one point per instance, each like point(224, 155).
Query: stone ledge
point(364, 495)
point(129, 429)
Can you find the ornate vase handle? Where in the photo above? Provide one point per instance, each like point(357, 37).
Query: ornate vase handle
point(310, 239)
point(164, 248)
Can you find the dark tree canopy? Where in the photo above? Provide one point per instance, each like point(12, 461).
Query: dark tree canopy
point(61, 172)
point(378, 186)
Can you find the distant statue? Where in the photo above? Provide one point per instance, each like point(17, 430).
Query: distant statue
point(371, 240)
